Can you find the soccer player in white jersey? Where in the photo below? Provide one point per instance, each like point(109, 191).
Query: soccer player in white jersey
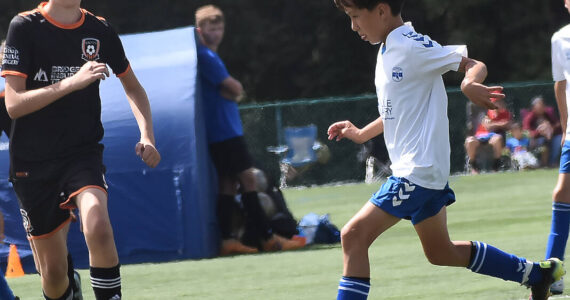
point(558, 237)
point(413, 116)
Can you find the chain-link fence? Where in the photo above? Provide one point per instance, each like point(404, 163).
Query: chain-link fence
point(263, 126)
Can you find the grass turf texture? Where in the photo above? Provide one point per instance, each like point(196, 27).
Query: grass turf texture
point(510, 211)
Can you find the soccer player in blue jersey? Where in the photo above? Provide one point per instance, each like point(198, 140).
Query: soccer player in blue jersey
point(558, 237)
point(413, 116)
point(221, 93)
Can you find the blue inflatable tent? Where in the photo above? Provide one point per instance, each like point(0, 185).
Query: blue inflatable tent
point(159, 214)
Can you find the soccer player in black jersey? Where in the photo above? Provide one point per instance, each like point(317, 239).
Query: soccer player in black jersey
point(54, 58)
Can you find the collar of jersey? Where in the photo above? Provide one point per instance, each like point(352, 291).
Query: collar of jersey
point(57, 24)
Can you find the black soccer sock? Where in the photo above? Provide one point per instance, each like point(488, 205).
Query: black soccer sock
point(70, 274)
point(255, 216)
point(106, 282)
point(68, 295)
point(225, 207)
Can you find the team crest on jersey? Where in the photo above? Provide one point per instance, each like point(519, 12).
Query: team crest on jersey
point(90, 48)
point(397, 74)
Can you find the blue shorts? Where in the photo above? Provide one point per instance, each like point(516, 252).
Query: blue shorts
point(409, 201)
point(485, 137)
point(565, 158)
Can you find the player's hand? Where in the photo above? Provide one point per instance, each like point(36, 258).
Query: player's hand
point(343, 129)
point(148, 153)
point(483, 95)
point(89, 73)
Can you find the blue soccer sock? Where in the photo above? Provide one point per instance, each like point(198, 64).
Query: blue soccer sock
point(351, 288)
point(558, 230)
point(491, 261)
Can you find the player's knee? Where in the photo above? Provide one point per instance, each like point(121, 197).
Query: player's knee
point(98, 229)
point(437, 258)
point(247, 180)
point(496, 140)
point(561, 195)
point(350, 238)
point(471, 143)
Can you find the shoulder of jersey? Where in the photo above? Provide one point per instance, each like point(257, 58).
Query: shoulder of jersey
point(562, 32)
point(101, 20)
point(27, 15)
point(418, 40)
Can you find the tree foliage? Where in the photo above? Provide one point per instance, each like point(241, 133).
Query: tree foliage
point(285, 49)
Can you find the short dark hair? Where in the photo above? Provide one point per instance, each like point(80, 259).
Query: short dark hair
point(395, 5)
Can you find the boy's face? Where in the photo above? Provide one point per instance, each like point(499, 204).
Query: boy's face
point(371, 25)
point(212, 33)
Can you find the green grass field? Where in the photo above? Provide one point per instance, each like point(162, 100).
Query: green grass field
point(510, 211)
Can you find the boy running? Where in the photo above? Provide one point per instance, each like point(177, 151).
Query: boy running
point(556, 245)
point(413, 116)
point(54, 58)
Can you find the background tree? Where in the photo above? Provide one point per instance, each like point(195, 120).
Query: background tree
point(285, 49)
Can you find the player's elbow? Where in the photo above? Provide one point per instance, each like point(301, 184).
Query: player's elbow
point(13, 112)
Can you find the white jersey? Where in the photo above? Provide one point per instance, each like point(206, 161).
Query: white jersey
point(561, 61)
point(413, 104)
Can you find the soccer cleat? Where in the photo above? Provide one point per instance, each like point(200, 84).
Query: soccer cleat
point(279, 243)
point(552, 270)
point(233, 246)
point(76, 286)
point(557, 287)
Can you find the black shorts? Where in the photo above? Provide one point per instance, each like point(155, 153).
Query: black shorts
point(231, 156)
point(46, 191)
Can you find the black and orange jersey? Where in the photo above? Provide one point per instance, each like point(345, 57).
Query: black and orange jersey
point(45, 52)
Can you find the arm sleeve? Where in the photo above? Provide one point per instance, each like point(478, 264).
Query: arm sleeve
point(557, 61)
point(115, 55)
point(17, 53)
point(212, 68)
point(432, 57)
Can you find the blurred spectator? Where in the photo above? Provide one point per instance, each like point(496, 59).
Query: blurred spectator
point(545, 132)
point(491, 131)
point(228, 150)
point(519, 146)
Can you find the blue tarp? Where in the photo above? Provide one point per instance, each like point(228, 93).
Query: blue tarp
point(157, 214)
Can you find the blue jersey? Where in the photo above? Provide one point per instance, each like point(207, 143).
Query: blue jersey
point(222, 115)
point(518, 145)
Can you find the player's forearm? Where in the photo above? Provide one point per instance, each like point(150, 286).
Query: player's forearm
point(140, 106)
point(370, 131)
point(560, 95)
point(21, 102)
point(475, 72)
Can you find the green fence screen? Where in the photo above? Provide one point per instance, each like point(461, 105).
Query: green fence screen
point(263, 127)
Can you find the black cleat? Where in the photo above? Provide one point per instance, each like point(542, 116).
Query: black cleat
point(552, 270)
point(76, 286)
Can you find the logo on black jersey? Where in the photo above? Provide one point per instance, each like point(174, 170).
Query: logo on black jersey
point(41, 76)
point(90, 48)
